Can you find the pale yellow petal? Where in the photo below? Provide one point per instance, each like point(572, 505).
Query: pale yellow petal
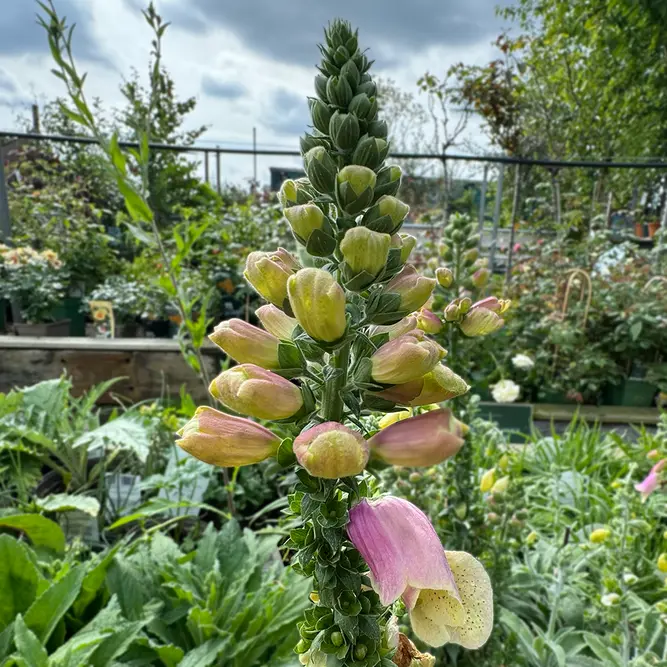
point(440, 618)
point(476, 593)
point(434, 616)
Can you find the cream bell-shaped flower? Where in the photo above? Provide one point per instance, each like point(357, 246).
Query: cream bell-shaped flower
point(439, 618)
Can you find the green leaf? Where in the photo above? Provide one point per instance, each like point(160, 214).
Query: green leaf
point(28, 645)
point(63, 502)
point(635, 330)
point(142, 236)
point(608, 656)
point(94, 580)
point(45, 612)
point(127, 433)
point(138, 209)
point(18, 580)
point(42, 531)
point(204, 655)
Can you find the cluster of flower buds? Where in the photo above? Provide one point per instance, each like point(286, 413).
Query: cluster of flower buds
point(340, 340)
point(466, 276)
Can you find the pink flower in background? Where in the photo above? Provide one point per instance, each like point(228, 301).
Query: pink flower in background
point(652, 481)
point(516, 247)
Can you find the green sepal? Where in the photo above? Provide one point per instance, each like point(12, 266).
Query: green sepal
point(382, 302)
point(359, 282)
point(309, 402)
point(320, 244)
point(321, 87)
point(394, 262)
point(289, 356)
point(285, 456)
point(384, 224)
point(362, 373)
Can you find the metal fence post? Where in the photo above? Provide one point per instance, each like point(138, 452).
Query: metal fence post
point(496, 217)
point(217, 170)
point(482, 199)
point(5, 222)
point(515, 212)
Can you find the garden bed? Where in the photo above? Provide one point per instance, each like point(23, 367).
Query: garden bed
point(152, 367)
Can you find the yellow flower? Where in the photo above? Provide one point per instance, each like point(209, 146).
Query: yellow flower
point(662, 562)
point(393, 417)
point(501, 485)
point(488, 480)
point(600, 535)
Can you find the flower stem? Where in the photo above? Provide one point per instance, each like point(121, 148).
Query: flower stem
point(332, 400)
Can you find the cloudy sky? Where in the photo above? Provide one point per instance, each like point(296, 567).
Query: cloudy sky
point(250, 63)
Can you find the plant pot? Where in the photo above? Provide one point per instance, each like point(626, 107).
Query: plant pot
point(3, 314)
point(639, 230)
point(42, 329)
point(516, 418)
point(161, 328)
point(631, 392)
point(653, 227)
point(70, 309)
point(127, 330)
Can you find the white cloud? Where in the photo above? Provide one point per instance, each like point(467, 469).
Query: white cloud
point(247, 88)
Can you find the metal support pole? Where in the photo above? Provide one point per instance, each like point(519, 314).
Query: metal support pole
point(217, 171)
point(206, 178)
point(496, 217)
point(5, 222)
point(515, 211)
point(482, 199)
point(254, 155)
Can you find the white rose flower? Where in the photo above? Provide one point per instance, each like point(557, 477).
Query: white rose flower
point(522, 361)
point(505, 391)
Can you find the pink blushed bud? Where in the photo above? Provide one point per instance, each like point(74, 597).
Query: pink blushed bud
point(276, 322)
point(483, 318)
point(480, 278)
point(401, 327)
point(247, 344)
point(223, 440)
point(425, 440)
point(256, 392)
point(413, 289)
point(428, 321)
point(441, 384)
point(331, 450)
point(401, 548)
point(406, 358)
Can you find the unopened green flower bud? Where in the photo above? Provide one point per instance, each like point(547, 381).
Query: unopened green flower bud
point(350, 71)
point(480, 278)
point(531, 538)
point(378, 128)
point(363, 107)
point(344, 130)
point(294, 192)
point(331, 450)
point(339, 91)
point(600, 535)
point(451, 312)
point(370, 152)
point(355, 188)
point(444, 276)
point(493, 518)
point(321, 115)
point(268, 273)
point(308, 141)
point(388, 181)
point(318, 303)
point(276, 322)
point(365, 253)
point(465, 304)
point(321, 169)
point(312, 228)
point(500, 486)
point(321, 87)
point(406, 243)
point(368, 87)
point(461, 510)
point(470, 256)
point(386, 215)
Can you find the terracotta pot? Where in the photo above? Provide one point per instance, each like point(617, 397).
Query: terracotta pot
point(60, 328)
point(639, 230)
point(653, 227)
